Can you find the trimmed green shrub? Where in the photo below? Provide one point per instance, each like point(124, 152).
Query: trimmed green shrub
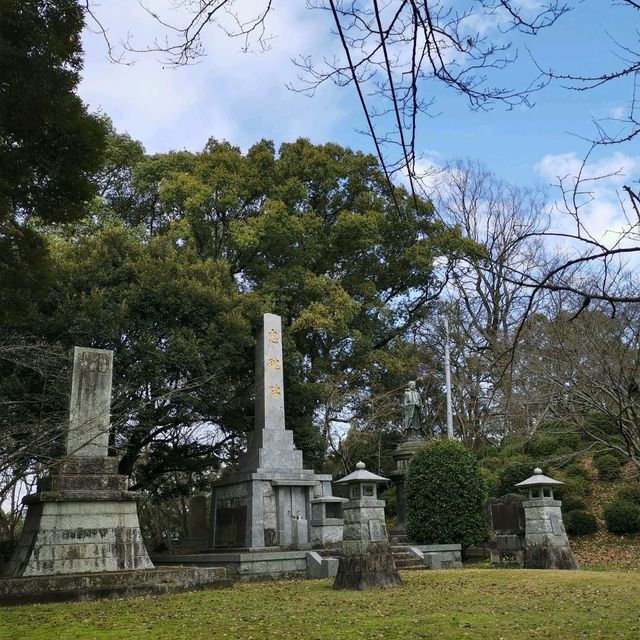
point(570, 440)
point(580, 523)
point(610, 452)
point(511, 474)
point(608, 466)
point(542, 445)
point(622, 517)
point(572, 503)
point(578, 487)
point(577, 470)
point(445, 495)
point(629, 493)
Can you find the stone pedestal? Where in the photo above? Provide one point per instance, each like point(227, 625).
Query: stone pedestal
point(82, 518)
point(267, 502)
point(366, 561)
point(402, 455)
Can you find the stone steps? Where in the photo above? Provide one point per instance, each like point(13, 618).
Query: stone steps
point(405, 559)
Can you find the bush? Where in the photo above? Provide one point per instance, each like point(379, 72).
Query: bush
point(572, 503)
point(577, 470)
point(542, 445)
point(622, 517)
point(574, 487)
point(511, 474)
point(608, 466)
point(445, 495)
point(390, 502)
point(570, 440)
point(629, 493)
point(580, 523)
point(490, 480)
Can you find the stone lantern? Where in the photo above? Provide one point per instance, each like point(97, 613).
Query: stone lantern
point(366, 560)
point(546, 543)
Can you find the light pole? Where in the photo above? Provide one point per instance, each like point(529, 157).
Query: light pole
point(447, 377)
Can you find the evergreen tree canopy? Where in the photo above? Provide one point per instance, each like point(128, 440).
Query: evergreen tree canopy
point(49, 145)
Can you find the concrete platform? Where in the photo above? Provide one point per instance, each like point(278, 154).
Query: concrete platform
point(91, 586)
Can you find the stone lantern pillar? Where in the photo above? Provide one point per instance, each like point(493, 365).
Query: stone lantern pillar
point(546, 545)
point(366, 560)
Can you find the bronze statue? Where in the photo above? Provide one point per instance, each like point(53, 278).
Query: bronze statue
point(414, 417)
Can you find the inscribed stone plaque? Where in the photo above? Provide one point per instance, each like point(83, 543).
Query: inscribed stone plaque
point(506, 514)
point(231, 527)
point(89, 410)
point(377, 531)
point(269, 378)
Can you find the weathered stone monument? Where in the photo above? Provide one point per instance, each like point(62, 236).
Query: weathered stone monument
point(366, 561)
point(546, 545)
point(507, 519)
point(271, 501)
point(82, 519)
point(81, 538)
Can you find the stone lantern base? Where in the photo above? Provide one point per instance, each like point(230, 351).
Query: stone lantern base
point(546, 542)
point(374, 570)
point(366, 561)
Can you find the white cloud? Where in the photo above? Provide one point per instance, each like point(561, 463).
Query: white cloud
point(221, 95)
point(598, 199)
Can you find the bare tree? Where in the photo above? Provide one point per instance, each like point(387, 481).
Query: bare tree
point(485, 302)
point(588, 370)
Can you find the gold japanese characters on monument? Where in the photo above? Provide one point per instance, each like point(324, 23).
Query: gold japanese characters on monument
point(275, 390)
point(273, 337)
point(274, 363)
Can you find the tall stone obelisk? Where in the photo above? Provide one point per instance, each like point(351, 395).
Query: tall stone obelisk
point(82, 519)
point(267, 502)
point(270, 444)
point(90, 406)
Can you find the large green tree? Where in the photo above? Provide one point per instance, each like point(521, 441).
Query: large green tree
point(182, 254)
point(49, 144)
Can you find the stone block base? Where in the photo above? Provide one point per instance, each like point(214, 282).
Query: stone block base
point(549, 558)
point(91, 586)
point(320, 567)
point(245, 565)
point(440, 556)
point(372, 571)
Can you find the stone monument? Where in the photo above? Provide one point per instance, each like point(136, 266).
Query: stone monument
point(507, 519)
point(546, 545)
point(366, 561)
point(413, 423)
point(82, 518)
point(268, 502)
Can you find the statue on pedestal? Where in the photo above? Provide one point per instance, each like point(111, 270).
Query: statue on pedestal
point(414, 414)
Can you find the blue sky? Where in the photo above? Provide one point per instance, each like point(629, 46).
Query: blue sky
point(242, 97)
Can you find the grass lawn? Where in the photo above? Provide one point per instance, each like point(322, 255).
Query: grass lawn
point(468, 603)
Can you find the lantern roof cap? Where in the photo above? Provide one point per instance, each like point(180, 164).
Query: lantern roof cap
point(361, 475)
point(538, 479)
